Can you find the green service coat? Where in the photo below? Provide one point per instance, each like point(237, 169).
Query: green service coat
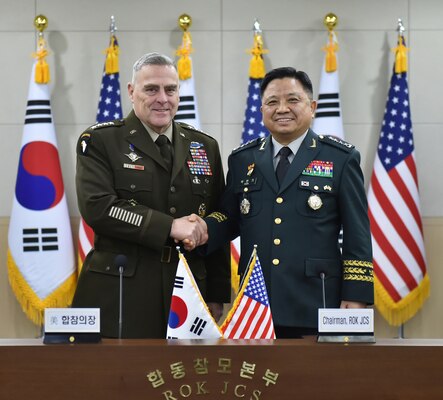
point(296, 241)
point(127, 196)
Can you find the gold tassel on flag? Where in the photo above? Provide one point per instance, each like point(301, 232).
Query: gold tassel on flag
point(42, 74)
point(331, 21)
point(111, 66)
point(184, 63)
point(112, 52)
point(257, 64)
point(401, 59)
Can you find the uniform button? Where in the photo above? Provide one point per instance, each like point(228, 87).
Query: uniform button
point(316, 187)
point(277, 221)
point(172, 210)
point(245, 189)
point(172, 189)
point(108, 268)
point(275, 261)
point(132, 186)
point(277, 241)
point(279, 200)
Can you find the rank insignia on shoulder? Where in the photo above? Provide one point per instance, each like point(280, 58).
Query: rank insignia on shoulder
point(251, 143)
point(336, 141)
point(102, 125)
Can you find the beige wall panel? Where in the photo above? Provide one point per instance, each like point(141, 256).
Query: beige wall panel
point(427, 138)
point(425, 83)
point(427, 14)
point(365, 138)
point(215, 131)
point(232, 134)
point(17, 15)
point(235, 75)
point(17, 61)
point(428, 322)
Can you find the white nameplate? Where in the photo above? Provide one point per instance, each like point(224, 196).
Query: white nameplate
point(346, 320)
point(72, 320)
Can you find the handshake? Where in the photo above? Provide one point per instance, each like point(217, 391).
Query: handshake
point(190, 230)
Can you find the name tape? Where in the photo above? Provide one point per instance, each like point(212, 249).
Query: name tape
point(349, 320)
point(72, 320)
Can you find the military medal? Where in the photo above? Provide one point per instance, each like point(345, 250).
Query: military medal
point(245, 206)
point(202, 210)
point(200, 163)
point(324, 169)
point(314, 201)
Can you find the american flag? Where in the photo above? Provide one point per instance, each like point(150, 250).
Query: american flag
point(109, 108)
point(401, 280)
point(253, 125)
point(250, 316)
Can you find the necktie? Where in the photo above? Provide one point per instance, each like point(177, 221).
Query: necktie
point(165, 150)
point(283, 164)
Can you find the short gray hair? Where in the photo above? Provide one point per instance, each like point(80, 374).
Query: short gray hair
point(151, 59)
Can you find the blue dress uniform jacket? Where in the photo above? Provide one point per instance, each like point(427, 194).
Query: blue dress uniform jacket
point(126, 194)
point(296, 226)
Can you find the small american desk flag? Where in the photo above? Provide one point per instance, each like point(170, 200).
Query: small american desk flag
point(401, 280)
point(250, 316)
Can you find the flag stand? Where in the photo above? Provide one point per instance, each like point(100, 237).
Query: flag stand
point(401, 331)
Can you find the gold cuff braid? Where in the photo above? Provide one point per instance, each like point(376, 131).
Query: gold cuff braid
point(358, 270)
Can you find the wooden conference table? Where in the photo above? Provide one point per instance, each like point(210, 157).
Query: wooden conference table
point(221, 369)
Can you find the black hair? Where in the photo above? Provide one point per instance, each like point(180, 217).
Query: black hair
point(288, 72)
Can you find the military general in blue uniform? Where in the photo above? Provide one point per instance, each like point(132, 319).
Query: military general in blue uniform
point(290, 194)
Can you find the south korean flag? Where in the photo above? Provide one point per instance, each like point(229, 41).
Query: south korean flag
point(189, 317)
point(188, 109)
point(328, 117)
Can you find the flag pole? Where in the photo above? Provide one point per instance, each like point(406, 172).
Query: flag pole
point(400, 30)
point(253, 254)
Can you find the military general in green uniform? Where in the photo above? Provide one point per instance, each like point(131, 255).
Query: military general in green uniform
point(290, 194)
point(135, 178)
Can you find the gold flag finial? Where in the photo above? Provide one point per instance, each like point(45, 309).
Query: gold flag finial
point(40, 22)
point(42, 74)
point(331, 21)
point(184, 22)
point(184, 63)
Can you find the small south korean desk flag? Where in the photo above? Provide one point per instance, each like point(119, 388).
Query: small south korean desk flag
point(189, 317)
